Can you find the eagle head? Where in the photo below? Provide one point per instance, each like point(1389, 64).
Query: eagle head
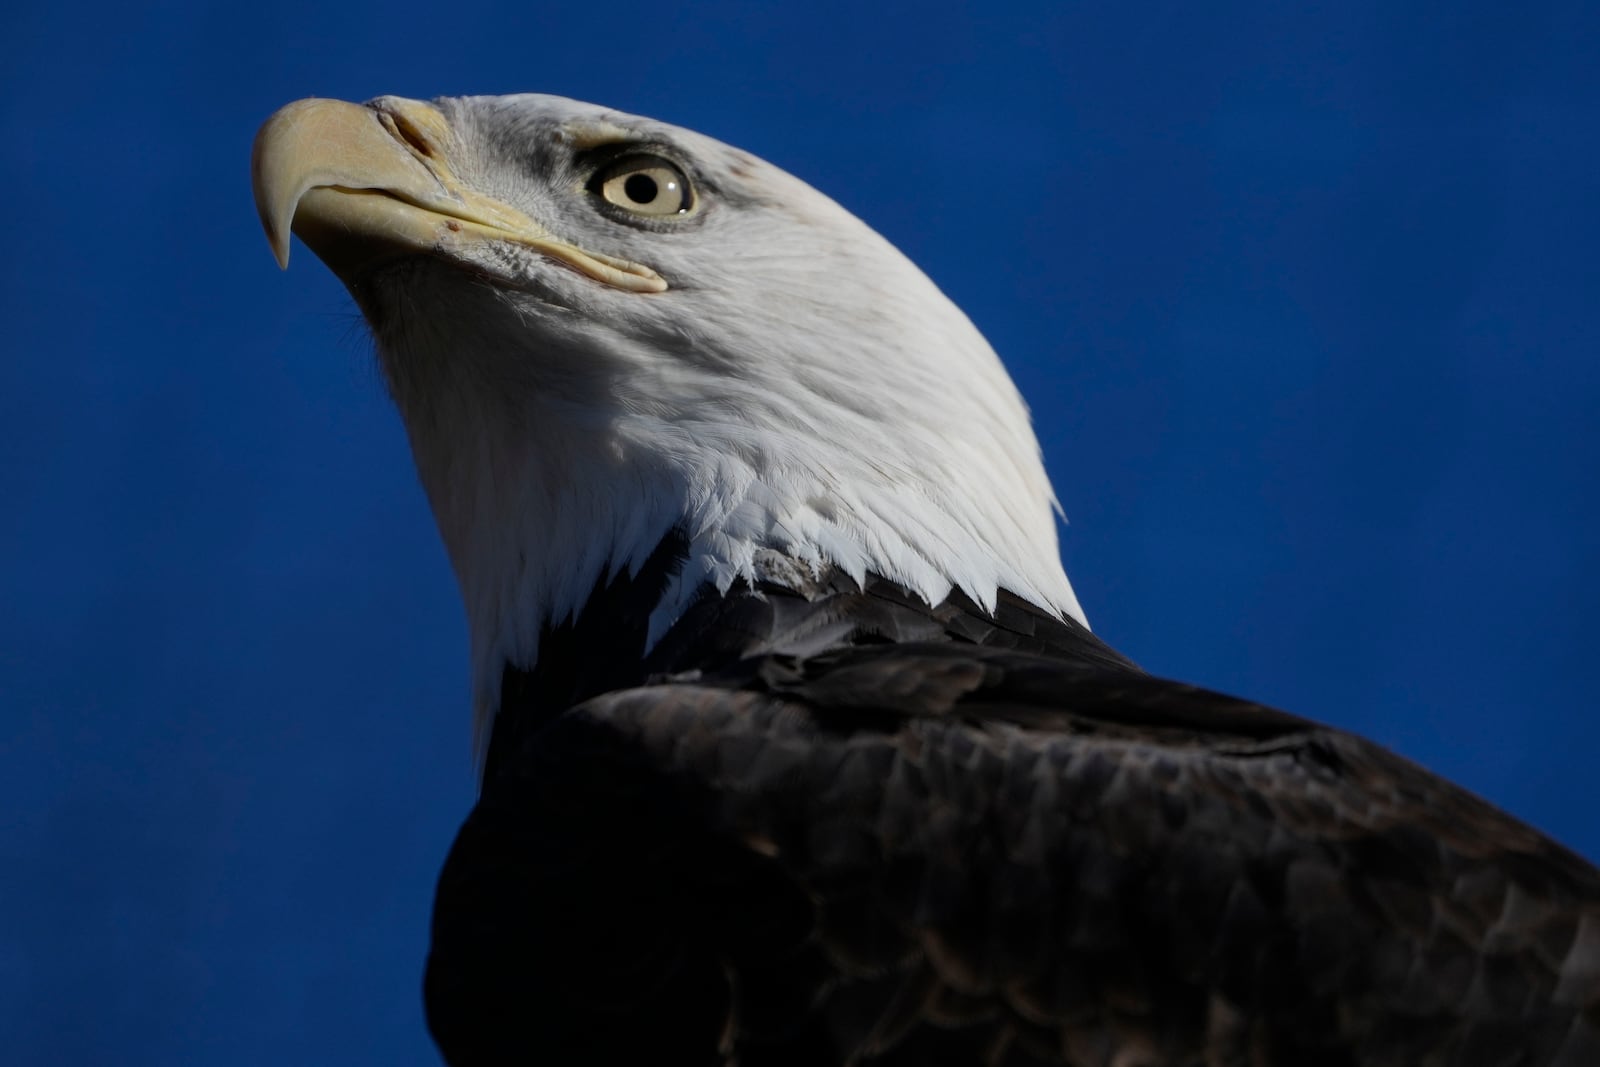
point(602, 330)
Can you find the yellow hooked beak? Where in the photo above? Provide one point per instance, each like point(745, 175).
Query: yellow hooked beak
point(364, 184)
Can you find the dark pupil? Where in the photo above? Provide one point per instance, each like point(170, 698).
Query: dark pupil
point(641, 188)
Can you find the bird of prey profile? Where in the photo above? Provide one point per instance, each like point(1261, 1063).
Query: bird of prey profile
point(797, 749)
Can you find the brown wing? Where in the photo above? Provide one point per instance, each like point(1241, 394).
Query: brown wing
point(942, 854)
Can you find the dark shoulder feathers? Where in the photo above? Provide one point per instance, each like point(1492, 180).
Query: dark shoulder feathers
point(846, 827)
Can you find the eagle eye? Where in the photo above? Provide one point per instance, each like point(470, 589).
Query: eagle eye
point(644, 185)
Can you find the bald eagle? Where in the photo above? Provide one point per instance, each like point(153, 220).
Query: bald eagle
point(796, 745)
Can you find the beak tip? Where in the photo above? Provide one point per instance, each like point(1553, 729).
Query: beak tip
point(277, 236)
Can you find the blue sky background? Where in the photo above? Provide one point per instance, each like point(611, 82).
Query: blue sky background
point(1304, 301)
